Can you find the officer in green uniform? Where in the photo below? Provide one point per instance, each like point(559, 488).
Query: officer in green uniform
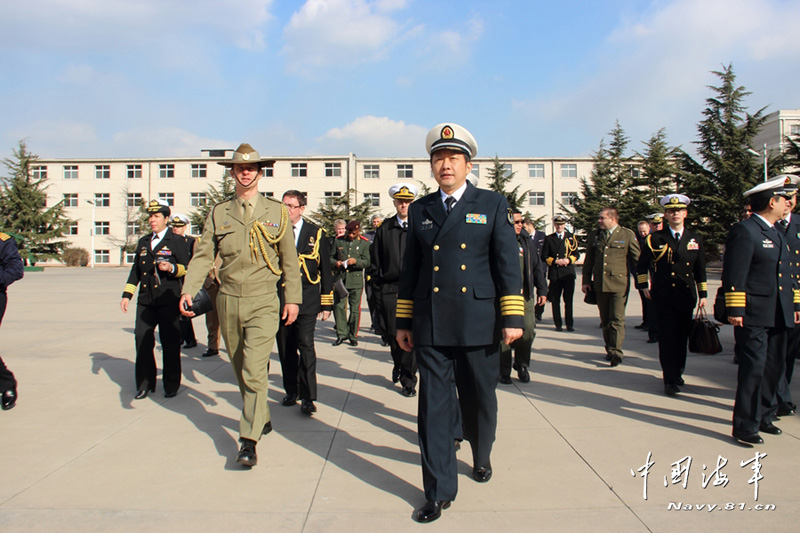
point(349, 258)
point(254, 240)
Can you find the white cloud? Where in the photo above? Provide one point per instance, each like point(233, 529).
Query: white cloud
point(166, 142)
point(326, 33)
point(55, 138)
point(371, 136)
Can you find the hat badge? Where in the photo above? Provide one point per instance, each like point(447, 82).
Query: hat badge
point(246, 157)
point(787, 181)
point(447, 133)
point(673, 200)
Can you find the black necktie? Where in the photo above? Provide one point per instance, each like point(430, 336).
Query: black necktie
point(678, 237)
point(405, 225)
point(783, 224)
point(449, 202)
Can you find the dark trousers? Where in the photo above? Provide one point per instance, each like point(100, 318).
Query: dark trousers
point(559, 287)
point(673, 310)
point(7, 380)
point(611, 306)
point(762, 358)
point(522, 346)
point(404, 361)
point(373, 303)
point(298, 356)
point(473, 370)
point(792, 349)
point(166, 318)
point(187, 330)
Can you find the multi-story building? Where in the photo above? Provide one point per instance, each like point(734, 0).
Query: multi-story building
point(102, 196)
point(777, 126)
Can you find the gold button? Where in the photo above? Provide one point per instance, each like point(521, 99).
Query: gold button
point(687, 264)
point(436, 289)
point(780, 275)
point(145, 286)
point(436, 268)
point(435, 246)
point(463, 245)
point(463, 289)
point(463, 267)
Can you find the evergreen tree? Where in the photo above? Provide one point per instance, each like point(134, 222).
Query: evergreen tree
point(343, 207)
point(214, 195)
point(499, 178)
point(24, 212)
point(726, 169)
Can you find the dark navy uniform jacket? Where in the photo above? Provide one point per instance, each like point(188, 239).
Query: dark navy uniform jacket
point(386, 254)
point(164, 289)
point(461, 278)
point(11, 267)
point(555, 248)
point(674, 265)
point(314, 256)
point(757, 275)
point(793, 240)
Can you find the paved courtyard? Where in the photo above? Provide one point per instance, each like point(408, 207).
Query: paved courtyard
point(79, 454)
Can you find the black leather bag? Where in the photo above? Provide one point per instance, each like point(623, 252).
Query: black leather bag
point(201, 304)
point(720, 311)
point(704, 335)
point(590, 297)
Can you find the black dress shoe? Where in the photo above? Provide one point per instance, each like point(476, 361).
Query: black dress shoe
point(353, 342)
point(289, 399)
point(409, 392)
point(570, 329)
point(247, 453)
point(559, 328)
point(338, 341)
point(640, 326)
point(141, 395)
point(209, 353)
point(267, 428)
point(307, 407)
point(786, 409)
point(9, 399)
point(523, 374)
point(190, 344)
point(616, 360)
point(769, 427)
point(395, 375)
point(652, 341)
point(171, 394)
point(505, 380)
point(681, 382)
point(431, 510)
point(482, 474)
point(750, 438)
point(671, 389)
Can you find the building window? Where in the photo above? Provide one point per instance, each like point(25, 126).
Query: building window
point(569, 170)
point(102, 172)
point(506, 167)
point(130, 257)
point(73, 229)
point(198, 199)
point(476, 170)
point(269, 172)
point(195, 230)
point(71, 172)
point(199, 170)
point(166, 171)
point(299, 170)
point(330, 195)
point(635, 172)
point(333, 170)
point(102, 257)
point(267, 194)
point(535, 198)
point(102, 199)
point(133, 199)
point(71, 200)
point(568, 198)
point(102, 228)
point(132, 228)
point(536, 170)
point(168, 197)
point(794, 129)
point(372, 172)
point(134, 172)
point(374, 198)
point(39, 173)
point(405, 172)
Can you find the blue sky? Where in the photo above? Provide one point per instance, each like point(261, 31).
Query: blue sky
point(152, 78)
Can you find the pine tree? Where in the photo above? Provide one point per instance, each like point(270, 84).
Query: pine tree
point(499, 178)
point(726, 169)
point(24, 213)
point(343, 207)
point(214, 195)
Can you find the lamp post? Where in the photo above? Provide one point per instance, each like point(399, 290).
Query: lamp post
point(91, 255)
point(750, 150)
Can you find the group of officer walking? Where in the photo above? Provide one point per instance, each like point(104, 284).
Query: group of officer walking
point(456, 281)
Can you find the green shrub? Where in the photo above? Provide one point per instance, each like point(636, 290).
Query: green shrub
point(75, 257)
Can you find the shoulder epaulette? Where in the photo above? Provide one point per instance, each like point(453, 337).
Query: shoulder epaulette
point(4, 236)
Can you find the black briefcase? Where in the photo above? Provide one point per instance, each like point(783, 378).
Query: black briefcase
point(201, 304)
point(704, 335)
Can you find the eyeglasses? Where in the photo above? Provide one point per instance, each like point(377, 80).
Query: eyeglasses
point(292, 206)
point(517, 222)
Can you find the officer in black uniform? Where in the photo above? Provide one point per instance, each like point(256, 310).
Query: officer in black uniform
point(161, 260)
point(296, 348)
point(386, 259)
point(460, 285)
point(560, 251)
point(178, 223)
point(11, 269)
point(762, 303)
point(675, 258)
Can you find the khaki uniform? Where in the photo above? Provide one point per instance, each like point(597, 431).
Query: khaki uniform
point(247, 303)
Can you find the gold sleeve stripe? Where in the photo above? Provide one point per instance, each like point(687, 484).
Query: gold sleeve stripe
point(550, 260)
point(512, 305)
point(405, 308)
point(572, 258)
point(735, 299)
point(130, 288)
point(326, 299)
point(796, 296)
point(641, 278)
point(702, 286)
point(181, 271)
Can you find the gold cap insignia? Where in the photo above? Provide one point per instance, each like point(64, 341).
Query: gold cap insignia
point(447, 133)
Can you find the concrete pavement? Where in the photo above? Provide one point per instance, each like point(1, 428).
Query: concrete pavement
point(78, 453)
